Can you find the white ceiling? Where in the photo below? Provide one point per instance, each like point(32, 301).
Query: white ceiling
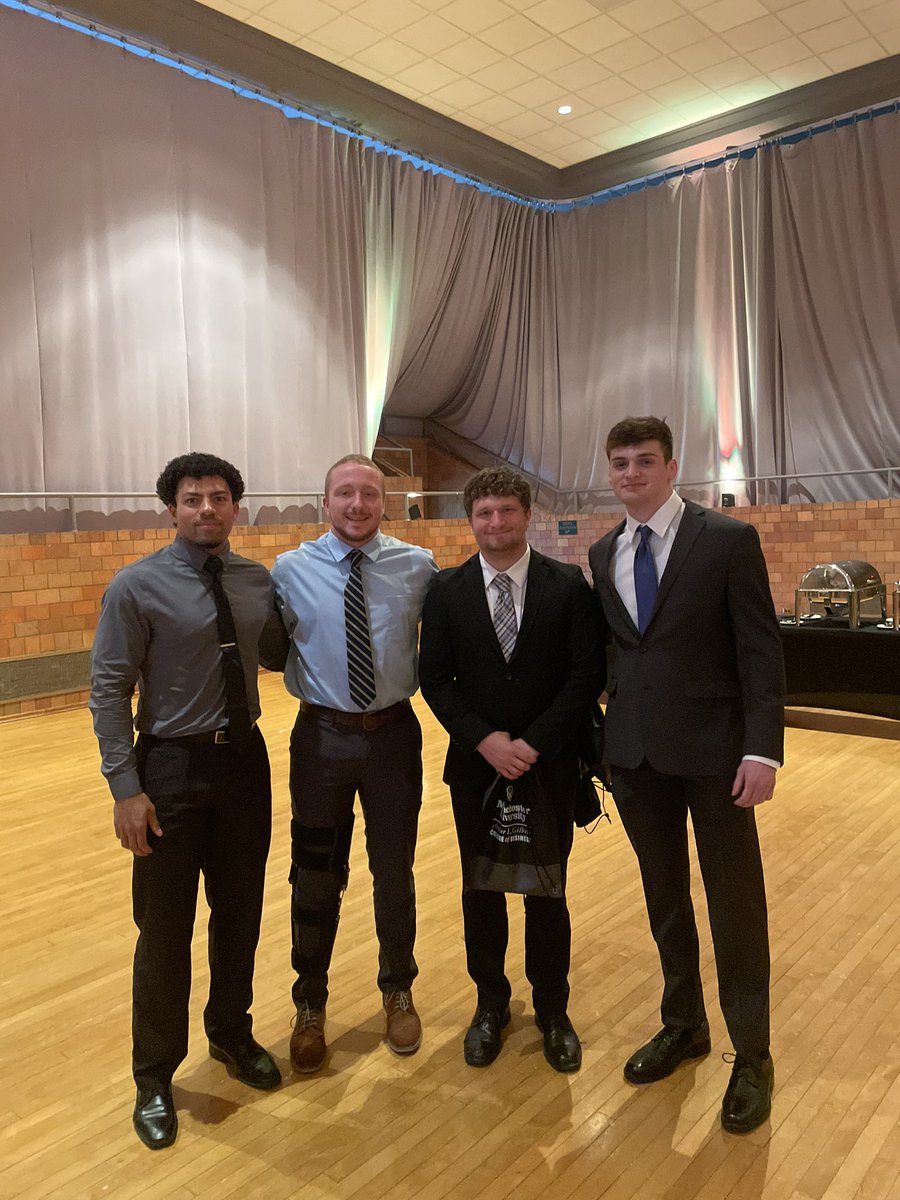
point(630, 69)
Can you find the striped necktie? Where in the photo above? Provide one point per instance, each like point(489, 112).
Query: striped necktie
point(360, 669)
point(505, 615)
point(645, 581)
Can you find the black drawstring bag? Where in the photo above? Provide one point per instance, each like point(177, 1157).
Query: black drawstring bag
point(518, 848)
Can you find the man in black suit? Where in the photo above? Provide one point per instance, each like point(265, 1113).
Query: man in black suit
point(511, 659)
point(694, 725)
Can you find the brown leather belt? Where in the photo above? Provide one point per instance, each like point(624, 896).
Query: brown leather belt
point(366, 721)
point(214, 737)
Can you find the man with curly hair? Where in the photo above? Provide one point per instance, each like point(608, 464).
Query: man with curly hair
point(189, 625)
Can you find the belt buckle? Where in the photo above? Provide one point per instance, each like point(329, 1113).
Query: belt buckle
point(370, 722)
point(221, 737)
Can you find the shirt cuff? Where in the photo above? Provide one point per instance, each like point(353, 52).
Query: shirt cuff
point(125, 785)
point(770, 762)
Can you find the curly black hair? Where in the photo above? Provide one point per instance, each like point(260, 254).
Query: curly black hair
point(195, 466)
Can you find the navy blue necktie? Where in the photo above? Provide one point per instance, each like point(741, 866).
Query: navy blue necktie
point(645, 581)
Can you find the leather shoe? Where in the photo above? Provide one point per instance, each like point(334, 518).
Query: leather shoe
point(249, 1062)
point(308, 1047)
point(748, 1097)
point(562, 1049)
point(155, 1121)
point(483, 1041)
point(664, 1052)
point(403, 1029)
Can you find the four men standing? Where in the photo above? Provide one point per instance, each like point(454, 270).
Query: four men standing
point(512, 660)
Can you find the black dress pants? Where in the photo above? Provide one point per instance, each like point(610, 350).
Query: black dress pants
point(548, 931)
point(330, 763)
point(654, 810)
point(214, 807)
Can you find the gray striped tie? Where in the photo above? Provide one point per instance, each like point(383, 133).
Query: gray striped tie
point(360, 669)
point(505, 615)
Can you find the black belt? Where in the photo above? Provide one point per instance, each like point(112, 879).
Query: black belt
point(213, 737)
point(366, 721)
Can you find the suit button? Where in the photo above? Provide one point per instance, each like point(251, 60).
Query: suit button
point(508, 675)
point(644, 649)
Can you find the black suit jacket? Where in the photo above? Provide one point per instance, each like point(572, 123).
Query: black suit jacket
point(542, 694)
point(705, 684)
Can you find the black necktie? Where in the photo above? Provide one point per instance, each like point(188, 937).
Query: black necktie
point(645, 581)
point(239, 723)
point(360, 669)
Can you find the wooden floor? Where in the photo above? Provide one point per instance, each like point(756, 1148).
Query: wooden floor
point(372, 1125)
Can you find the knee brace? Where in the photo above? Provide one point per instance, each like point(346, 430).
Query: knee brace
point(320, 870)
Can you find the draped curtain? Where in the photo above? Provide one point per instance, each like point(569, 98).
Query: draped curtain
point(184, 268)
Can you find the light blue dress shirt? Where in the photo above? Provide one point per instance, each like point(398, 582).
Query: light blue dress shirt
point(309, 588)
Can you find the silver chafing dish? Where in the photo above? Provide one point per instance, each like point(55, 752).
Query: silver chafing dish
point(846, 590)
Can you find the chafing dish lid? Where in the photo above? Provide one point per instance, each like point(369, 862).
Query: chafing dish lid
point(848, 575)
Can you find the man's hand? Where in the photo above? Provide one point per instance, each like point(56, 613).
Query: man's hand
point(511, 758)
point(753, 784)
point(131, 817)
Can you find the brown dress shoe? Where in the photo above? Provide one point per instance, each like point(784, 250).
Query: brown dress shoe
point(308, 1046)
point(404, 1029)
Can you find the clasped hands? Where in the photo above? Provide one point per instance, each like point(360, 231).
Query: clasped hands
point(512, 757)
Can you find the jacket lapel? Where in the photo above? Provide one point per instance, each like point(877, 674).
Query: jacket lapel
point(534, 594)
point(478, 607)
point(609, 592)
point(692, 525)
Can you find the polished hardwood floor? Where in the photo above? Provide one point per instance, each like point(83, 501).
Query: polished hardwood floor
point(427, 1127)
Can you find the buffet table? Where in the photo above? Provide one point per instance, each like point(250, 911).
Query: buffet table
point(831, 666)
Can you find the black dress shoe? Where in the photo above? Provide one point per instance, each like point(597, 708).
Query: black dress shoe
point(483, 1041)
point(748, 1097)
point(663, 1053)
point(562, 1049)
point(249, 1063)
point(154, 1117)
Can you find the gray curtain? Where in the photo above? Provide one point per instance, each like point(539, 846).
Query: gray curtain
point(186, 268)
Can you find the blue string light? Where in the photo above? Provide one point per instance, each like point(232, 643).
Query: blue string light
point(206, 75)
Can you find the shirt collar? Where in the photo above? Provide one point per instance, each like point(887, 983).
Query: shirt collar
point(518, 572)
point(661, 519)
point(196, 556)
point(340, 550)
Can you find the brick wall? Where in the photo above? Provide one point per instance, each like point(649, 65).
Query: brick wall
point(51, 583)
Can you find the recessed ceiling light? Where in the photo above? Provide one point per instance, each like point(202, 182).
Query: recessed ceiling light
point(564, 110)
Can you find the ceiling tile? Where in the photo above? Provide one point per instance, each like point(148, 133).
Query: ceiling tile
point(537, 93)
point(781, 54)
point(633, 52)
point(736, 70)
point(347, 35)
point(705, 53)
point(890, 40)
point(594, 35)
point(856, 6)
point(796, 74)
point(552, 138)
point(578, 152)
point(462, 94)
point(811, 13)
point(659, 123)
point(882, 17)
point(674, 35)
point(725, 14)
point(548, 56)
point(495, 110)
point(709, 106)
point(592, 123)
point(389, 55)
point(386, 15)
point(630, 110)
point(475, 15)
point(302, 18)
point(640, 15)
point(524, 125)
point(239, 11)
point(469, 55)
point(514, 34)
point(761, 32)
point(504, 75)
point(615, 139)
point(681, 91)
point(855, 55)
point(838, 33)
point(750, 92)
point(427, 76)
point(430, 35)
point(610, 91)
point(374, 73)
point(579, 75)
point(558, 15)
point(653, 74)
point(273, 29)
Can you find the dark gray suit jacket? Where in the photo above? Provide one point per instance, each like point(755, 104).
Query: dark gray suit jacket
point(705, 684)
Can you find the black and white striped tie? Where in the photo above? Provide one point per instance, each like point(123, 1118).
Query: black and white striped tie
point(505, 616)
point(360, 669)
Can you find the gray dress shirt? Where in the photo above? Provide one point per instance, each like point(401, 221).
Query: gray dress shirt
point(157, 629)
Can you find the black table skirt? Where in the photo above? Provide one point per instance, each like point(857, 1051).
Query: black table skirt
point(855, 670)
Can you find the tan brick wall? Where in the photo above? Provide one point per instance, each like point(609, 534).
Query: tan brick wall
point(51, 583)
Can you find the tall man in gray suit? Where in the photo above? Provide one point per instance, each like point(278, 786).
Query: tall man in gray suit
point(694, 725)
